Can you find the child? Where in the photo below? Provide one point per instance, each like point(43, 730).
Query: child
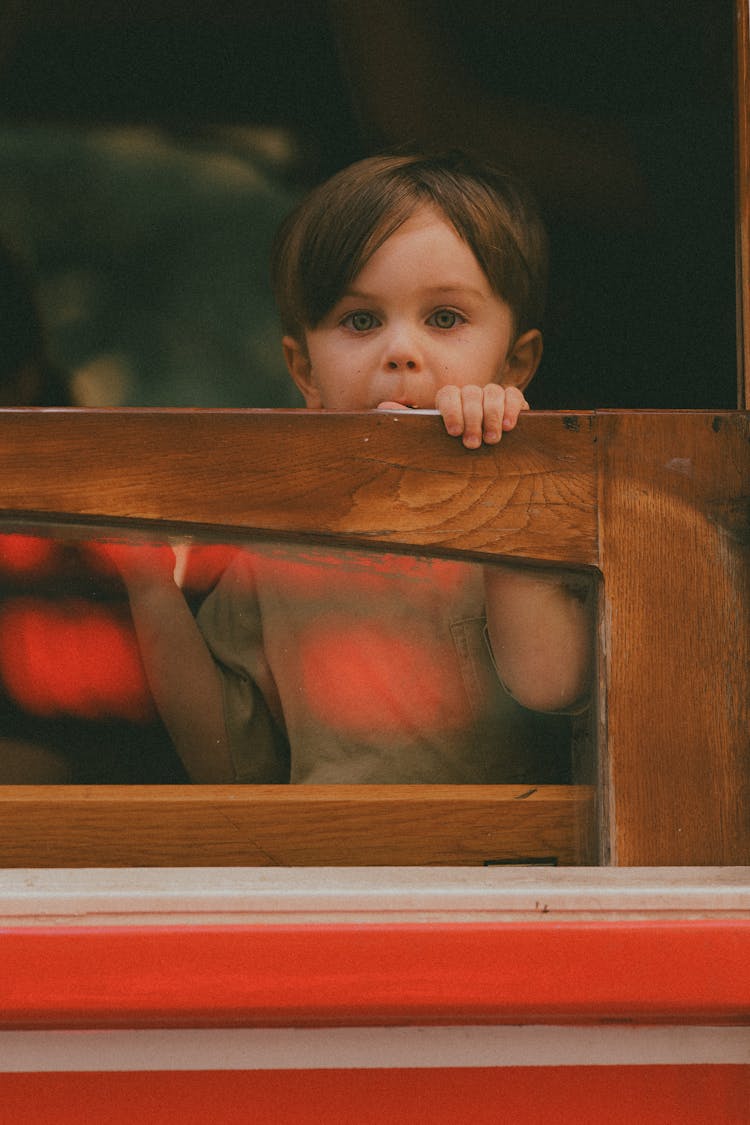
point(403, 282)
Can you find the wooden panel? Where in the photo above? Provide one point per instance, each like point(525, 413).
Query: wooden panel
point(676, 636)
point(188, 826)
point(671, 543)
point(391, 478)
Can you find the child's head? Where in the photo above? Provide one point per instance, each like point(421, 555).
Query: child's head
point(368, 222)
point(327, 240)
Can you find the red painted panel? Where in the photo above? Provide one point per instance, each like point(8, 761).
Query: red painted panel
point(547, 972)
point(662, 1095)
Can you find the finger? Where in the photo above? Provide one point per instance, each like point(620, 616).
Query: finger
point(448, 402)
point(493, 413)
point(391, 406)
point(515, 403)
point(472, 402)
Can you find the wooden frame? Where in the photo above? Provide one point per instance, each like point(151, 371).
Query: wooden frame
point(655, 503)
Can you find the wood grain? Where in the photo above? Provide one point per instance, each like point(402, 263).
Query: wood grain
point(388, 478)
point(656, 501)
point(259, 826)
point(674, 534)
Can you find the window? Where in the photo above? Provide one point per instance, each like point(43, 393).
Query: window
point(651, 503)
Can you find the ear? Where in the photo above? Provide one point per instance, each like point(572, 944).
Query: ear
point(523, 359)
point(300, 369)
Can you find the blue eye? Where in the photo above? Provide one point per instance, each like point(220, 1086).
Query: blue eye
point(445, 318)
point(360, 321)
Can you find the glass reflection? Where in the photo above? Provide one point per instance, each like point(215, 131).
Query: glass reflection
point(326, 666)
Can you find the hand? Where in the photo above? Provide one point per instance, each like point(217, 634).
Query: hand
point(478, 414)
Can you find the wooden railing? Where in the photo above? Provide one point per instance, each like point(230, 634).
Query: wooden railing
point(654, 505)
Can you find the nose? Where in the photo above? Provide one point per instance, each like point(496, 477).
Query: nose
point(402, 352)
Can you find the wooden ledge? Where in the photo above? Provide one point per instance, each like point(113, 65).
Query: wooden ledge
point(306, 825)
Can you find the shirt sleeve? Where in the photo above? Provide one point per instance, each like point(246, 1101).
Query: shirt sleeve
point(230, 622)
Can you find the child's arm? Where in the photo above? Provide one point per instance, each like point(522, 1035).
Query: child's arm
point(540, 627)
point(180, 670)
point(540, 624)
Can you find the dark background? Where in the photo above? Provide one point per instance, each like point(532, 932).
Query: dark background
point(152, 273)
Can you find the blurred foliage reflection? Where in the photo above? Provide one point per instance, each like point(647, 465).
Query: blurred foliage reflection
point(151, 254)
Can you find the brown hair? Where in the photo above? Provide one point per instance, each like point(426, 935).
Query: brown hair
point(322, 246)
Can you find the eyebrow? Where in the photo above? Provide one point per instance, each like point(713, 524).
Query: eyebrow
point(431, 290)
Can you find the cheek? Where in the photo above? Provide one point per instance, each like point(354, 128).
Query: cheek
point(494, 361)
point(330, 360)
point(345, 382)
point(475, 364)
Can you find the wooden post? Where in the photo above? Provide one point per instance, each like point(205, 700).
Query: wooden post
point(674, 543)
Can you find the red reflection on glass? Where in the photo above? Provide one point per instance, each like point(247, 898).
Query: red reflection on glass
point(364, 679)
point(136, 558)
point(313, 573)
point(205, 565)
point(71, 658)
point(26, 555)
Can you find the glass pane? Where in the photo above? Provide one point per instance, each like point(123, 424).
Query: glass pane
point(334, 665)
point(75, 706)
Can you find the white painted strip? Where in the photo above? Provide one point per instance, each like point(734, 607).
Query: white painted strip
point(390, 1047)
point(252, 896)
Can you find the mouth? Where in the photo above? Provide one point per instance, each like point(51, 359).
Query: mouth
point(395, 404)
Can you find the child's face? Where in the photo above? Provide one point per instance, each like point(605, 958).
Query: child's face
point(421, 315)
